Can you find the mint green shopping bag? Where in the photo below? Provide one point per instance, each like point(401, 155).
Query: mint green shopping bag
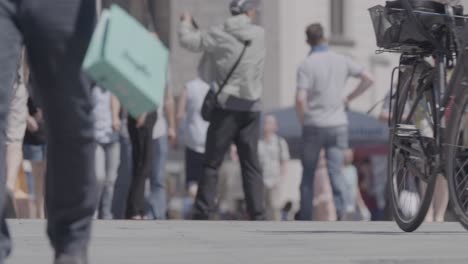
point(129, 61)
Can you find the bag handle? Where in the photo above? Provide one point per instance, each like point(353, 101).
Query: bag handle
point(246, 43)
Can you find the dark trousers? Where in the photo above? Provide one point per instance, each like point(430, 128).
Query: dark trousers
point(56, 34)
point(243, 129)
point(122, 184)
point(193, 166)
point(142, 163)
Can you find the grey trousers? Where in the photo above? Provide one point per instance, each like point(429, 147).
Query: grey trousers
point(56, 34)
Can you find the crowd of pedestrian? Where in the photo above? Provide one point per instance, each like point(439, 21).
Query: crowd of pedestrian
point(103, 163)
point(131, 152)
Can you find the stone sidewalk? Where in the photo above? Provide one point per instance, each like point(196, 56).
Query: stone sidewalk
point(121, 242)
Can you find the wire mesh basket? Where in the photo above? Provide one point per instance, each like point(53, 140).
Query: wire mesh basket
point(395, 30)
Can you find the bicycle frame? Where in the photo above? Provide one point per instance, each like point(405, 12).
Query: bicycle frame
point(440, 90)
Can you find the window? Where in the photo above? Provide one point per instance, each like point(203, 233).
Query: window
point(337, 17)
point(338, 24)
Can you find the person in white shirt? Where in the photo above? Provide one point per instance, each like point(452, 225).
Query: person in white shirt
point(106, 127)
point(195, 128)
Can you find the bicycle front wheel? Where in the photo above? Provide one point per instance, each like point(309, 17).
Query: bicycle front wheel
point(412, 174)
point(456, 154)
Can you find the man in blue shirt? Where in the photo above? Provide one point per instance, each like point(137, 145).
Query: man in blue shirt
point(320, 105)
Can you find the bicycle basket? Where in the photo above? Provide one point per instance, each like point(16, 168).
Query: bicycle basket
point(395, 30)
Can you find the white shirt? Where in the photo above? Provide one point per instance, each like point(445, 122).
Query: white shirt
point(160, 128)
point(271, 154)
point(195, 128)
point(102, 113)
point(323, 75)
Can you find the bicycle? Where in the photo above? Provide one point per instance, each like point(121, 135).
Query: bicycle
point(425, 109)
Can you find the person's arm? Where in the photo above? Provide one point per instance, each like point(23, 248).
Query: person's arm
point(194, 39)
point(115, 108)
point(301, 105)
point(31, 124)
point(303, 84)
point(182, 106)
point(169, 111)
point(366, 82)
point(141, 120)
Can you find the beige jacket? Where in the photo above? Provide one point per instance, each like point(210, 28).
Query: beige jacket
point(222, 46)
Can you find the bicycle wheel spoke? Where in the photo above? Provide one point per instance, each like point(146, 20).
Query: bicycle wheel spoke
point(464, 174)
point(401, 183)
point(463, 183)
point(415, 170)
point(465, 203)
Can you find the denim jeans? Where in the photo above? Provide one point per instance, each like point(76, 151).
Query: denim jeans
point(56, 34)
point(122, 184)
point(334, 141)
point(107, 166)
point(157, 201)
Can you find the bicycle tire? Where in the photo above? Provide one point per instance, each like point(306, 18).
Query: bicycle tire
point(411, 224)
point(452, 146)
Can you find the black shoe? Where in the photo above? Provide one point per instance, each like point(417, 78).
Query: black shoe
point(200, 217)
point(297, 216)
point(69, 259)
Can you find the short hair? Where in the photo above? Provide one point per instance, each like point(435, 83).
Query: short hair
point(315, 34)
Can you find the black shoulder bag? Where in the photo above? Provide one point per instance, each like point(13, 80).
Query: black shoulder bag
point(211, 99)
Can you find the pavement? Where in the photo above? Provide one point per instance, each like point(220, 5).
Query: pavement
point(122, 242)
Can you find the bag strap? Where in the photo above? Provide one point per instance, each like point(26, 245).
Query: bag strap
point(247, 43)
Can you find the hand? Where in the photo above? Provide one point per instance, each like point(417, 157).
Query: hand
point(116, 124)
point(32, 124)
point(39, 116)
point(172, 136)
point(346, 103)
point(346, 100)
point(141, 120)
point(186, 16)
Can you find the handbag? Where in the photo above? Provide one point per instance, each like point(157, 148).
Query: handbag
point(124, 58)
point(211, 99)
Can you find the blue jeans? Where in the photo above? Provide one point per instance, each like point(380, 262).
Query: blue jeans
point(157, 201)
point(34, 152)
point(107, 166)
point(333, 140)
point(56, 34)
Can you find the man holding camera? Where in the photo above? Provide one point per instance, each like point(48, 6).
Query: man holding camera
point(233, 61)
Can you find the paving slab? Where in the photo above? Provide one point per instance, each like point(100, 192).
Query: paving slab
point(175, 242)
